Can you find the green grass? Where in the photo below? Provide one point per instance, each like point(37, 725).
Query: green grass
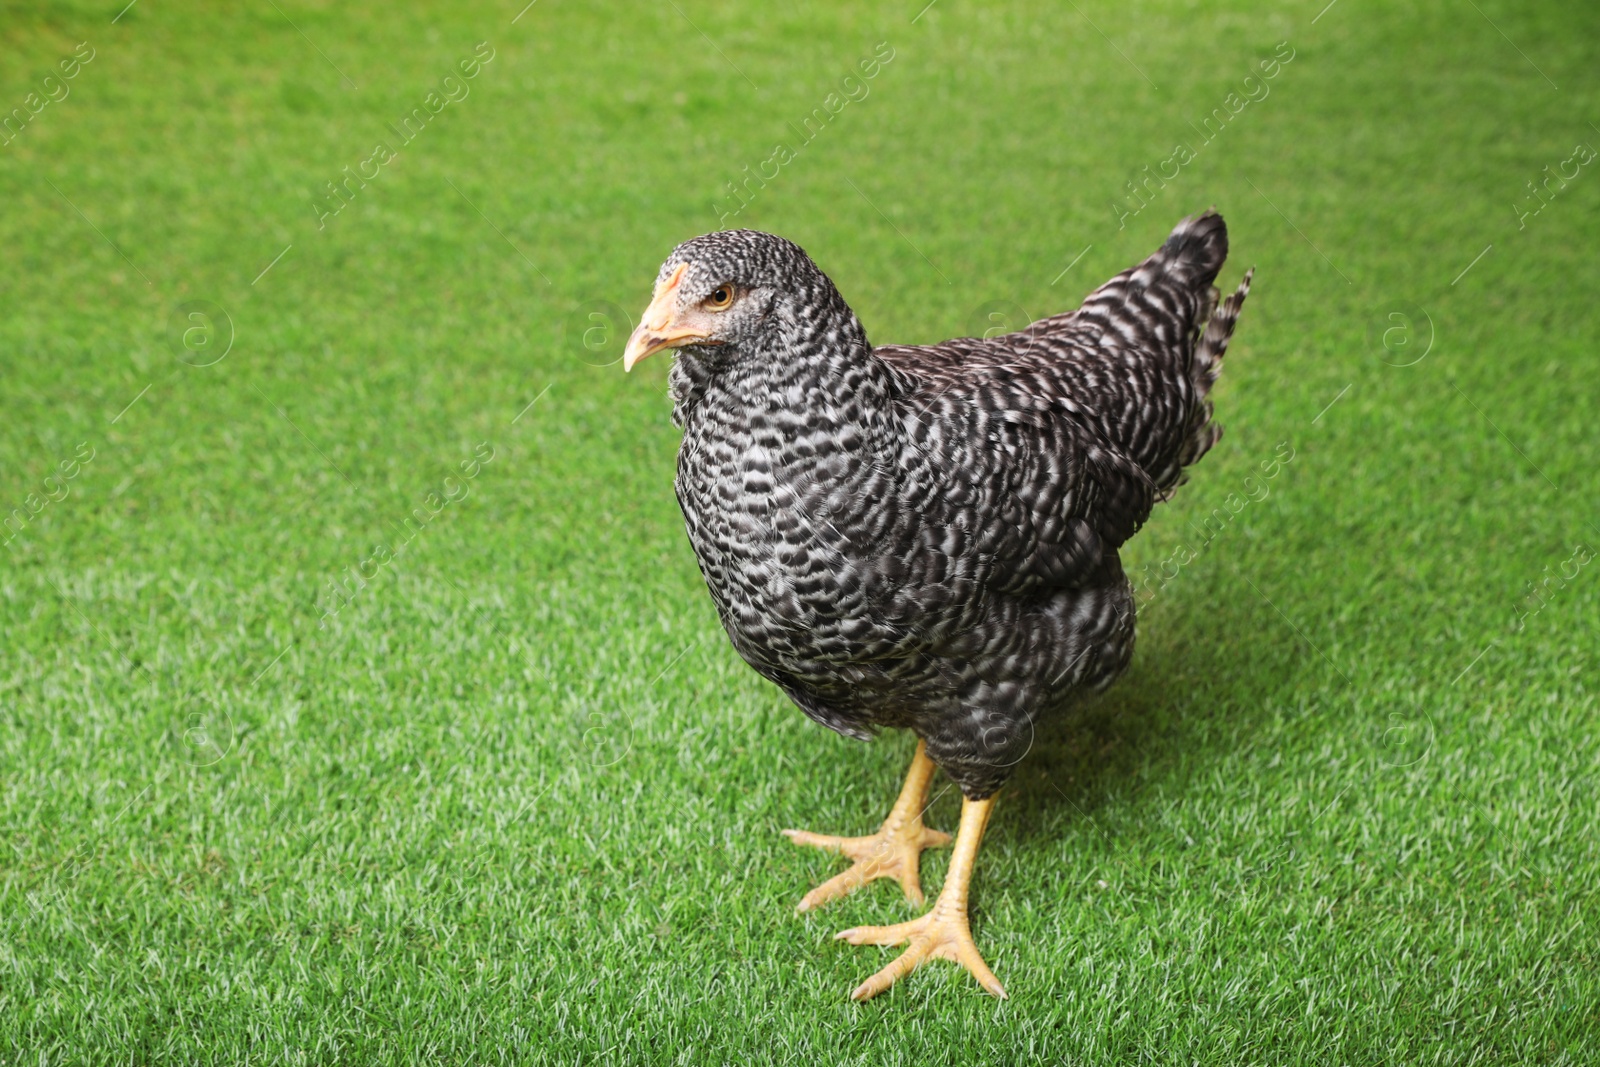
point(519, 801)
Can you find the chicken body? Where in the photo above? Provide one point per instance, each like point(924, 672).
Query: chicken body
point(926, 537)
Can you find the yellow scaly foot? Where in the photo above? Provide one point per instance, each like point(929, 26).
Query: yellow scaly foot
point(894, 851)
point(943, 932)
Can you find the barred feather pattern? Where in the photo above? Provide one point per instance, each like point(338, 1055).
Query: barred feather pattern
point(926, 537)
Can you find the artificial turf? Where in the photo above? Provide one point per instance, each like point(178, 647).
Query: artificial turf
point(514, 798)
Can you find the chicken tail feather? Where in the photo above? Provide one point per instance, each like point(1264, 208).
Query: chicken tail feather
point(1208, 352)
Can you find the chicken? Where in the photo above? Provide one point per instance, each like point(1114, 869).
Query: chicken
point(926, 538)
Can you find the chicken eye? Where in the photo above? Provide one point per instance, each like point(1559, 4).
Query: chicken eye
point(720, 298)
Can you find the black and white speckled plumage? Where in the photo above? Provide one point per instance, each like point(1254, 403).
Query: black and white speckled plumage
point(926, 537)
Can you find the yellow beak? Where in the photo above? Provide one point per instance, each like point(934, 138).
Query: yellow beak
point(658, 327)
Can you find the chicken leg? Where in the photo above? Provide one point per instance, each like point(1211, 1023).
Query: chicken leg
point(943, 932)
point(893, 852)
